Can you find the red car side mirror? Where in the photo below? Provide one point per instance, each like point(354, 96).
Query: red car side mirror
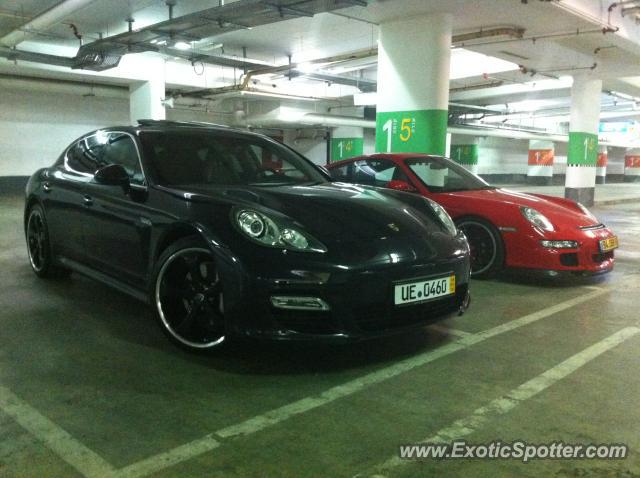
point(400, 185)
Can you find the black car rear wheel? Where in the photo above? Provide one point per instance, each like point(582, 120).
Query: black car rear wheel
point(188, 296)
point(38, 245)
point(487, 249)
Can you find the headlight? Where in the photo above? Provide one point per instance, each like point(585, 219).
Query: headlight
point(537, 219)
point(270, 232)
point(587, 212)
point(444, 217)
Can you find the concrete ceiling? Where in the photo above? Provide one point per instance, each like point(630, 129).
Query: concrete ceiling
point(562, 37)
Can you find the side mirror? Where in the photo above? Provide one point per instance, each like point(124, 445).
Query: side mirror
point(112, 175)
point(400, 185)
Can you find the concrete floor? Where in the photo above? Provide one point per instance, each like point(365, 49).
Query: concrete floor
point(89, 385)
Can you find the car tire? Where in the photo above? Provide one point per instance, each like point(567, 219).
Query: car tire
point(39, 246)
point(187, 296)
point(487, 248)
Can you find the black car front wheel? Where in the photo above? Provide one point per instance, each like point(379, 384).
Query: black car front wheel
point(188, 296)
point(38, 245)
point(487, 249)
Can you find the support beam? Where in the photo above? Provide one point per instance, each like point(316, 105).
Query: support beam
point(465, 151)
point(413, 88)
point(346, 142)
point(540, 162)
point(146, 97)
point(583, 139)
point(601, 165)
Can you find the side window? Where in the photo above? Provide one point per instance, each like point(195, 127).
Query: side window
point(377, 172)
point(343, 173)
point(85, 156)
point(120, 149)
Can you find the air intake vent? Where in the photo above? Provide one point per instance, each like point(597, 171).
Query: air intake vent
point(95, 60)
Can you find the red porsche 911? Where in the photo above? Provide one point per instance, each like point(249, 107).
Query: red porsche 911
point(504, 228)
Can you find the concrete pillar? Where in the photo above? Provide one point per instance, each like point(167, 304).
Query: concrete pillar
point(464, 151)
point(146, 97)
point(413, 84)
point(346, 142)
point(583, 139)
point(540, 168)
point(632, 165)
point(601, 165)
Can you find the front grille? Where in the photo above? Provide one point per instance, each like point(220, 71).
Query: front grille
point(305, 322)
point(569, 259)
point(378, 317)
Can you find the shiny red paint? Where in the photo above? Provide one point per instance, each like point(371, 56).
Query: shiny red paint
point(522, 241)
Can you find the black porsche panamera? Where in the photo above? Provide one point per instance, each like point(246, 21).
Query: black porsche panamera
point(229, 233)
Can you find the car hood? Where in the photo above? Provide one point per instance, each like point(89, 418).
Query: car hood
point(559, 211)
point(330, 211)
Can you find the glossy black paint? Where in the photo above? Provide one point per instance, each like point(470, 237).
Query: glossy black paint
point(115, 232)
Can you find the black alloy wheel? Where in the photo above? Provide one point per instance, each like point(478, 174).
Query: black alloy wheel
point(189, 296)
point(487, 249)
point(38, 246)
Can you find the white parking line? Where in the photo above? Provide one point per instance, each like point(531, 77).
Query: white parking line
point(86, 461)
point(465, 426)
point(169, 458)
point(278, 415)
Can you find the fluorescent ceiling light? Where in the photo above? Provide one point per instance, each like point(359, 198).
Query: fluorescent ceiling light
point(182, 45)
point(307, 67)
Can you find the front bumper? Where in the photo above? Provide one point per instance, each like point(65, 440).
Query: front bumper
point(360, 300)
point(526, 251)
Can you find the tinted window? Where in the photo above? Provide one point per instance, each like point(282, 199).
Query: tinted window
point(85, 155)
point(343, 173)
point(205, 157)
point(376, 172)
point(443, 175)
point(120, 149)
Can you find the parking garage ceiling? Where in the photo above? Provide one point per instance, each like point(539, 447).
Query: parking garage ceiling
point(556, 39)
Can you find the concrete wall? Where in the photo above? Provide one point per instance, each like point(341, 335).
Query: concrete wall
point(35, 126)
point(505, 160)
point(310, 143)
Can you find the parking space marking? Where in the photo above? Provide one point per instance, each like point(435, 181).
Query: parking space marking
point(278, 415)
point(84, 460)
point(169, 458)
point(465, 426)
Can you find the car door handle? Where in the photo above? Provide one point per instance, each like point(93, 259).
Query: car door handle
point(88, 200)
point(46, 187)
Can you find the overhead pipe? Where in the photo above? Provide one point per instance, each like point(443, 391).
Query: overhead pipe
point(513, 32)
point(43, 21)
point(630, 10)
point(14, 55)
point(317, 119)
point(63, 87)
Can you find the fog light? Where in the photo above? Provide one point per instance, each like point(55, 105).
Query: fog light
point(298, 303)
point(560, 244)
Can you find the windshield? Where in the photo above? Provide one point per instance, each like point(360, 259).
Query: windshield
point(442, 175)
point(179, 158)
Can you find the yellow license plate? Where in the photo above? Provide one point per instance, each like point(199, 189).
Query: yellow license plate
point(609, 244)
point(424, 290)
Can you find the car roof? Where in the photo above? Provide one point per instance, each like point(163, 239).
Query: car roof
point(391, 156)
point(167, 125)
